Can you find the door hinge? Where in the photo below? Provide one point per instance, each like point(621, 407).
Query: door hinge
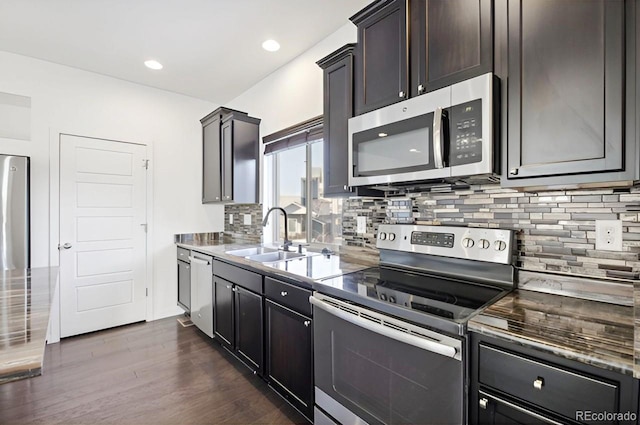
point(145, 164)
point(144, 226)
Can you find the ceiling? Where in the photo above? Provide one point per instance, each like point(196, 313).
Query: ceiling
point(210, 49)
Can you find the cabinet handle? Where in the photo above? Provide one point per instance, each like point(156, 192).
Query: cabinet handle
point(538, 383)
point(284, 293)
point(513, 171)
point(217, 197)
point(345, 187)
point(187, 267)
point(401, 94)
point(234, 289)
point(307, 323)
point(228, 286)
point(483, 403)
point(420, 88)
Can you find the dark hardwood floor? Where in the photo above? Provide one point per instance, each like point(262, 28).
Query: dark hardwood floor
point(145, 373)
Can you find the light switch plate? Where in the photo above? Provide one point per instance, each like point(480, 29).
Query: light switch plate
point(609, 235)
point(230, 218)
point(361, 226)
point(247, 219)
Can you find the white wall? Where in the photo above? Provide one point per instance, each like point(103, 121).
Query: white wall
point(87, 104)
point(293, 93)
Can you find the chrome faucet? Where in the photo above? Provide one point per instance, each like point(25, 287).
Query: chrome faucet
point(287, 242)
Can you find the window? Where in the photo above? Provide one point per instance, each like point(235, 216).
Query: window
point(294, 180)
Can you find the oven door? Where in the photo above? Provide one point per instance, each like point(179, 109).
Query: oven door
point(403, 142)
point(376, 369)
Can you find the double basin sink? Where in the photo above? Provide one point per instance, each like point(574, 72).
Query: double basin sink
point(268, 255)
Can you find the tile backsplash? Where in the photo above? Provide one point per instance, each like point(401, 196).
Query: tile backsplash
point(555, 229)
point(238, 229)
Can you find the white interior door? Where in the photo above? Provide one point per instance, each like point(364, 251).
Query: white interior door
point(102, 234)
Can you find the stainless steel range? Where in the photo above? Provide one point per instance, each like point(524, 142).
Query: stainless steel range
point(390, 343)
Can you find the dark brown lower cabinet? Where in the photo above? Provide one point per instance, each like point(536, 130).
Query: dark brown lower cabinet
point(223, 311)
point(184, 285)
point(238, 322)
point(513, 384)
point(289, 355)
point(248, 326)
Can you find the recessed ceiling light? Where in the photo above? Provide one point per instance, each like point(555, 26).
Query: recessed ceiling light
point(271, 46)
point(153, 64)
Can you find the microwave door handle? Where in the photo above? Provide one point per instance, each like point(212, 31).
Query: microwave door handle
point(438, 147)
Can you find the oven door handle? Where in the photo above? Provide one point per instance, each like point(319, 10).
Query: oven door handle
point(422, 343)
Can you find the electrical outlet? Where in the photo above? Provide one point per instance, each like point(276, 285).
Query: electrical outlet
point(247, 219)
point(361, 225)
point(609, 235)
point(230, 218)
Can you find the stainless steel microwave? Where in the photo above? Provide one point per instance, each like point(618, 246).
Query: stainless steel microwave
point(439, 135)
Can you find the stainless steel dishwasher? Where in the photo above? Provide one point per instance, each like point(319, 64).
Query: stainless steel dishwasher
point(202, 292)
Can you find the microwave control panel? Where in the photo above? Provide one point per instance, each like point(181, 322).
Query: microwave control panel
point(466, 133)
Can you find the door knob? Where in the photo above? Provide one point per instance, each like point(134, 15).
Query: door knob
point(65, 246)
point(538, 383)
point(484, 403)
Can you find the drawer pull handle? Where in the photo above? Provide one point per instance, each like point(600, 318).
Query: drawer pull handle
point(307, 323)
point(284, 293)
point(538, 383)
point(484, 403)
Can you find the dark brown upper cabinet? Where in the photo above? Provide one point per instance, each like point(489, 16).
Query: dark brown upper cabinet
point(338, 108)
point(381, 60)
point(409, 47)
point(450, 41)
point(570, 77)
point(230, 157)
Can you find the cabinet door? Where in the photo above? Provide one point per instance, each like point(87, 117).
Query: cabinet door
point(338, 108)
point(211, 190)
point(184, 286)
point(227, 161)
point(290, 355)
point(566, 93)
point(381, 71)
point(451, 41)
point(223, 311)
point(249, 337)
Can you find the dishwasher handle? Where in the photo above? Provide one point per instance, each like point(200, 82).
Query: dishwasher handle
point(197, 260)
point(379, 328)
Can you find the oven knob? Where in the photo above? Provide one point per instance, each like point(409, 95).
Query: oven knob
point(382, 236)
point(392, 236)
point(484, 244)
point(467, 242)
point(383, 297)
point(392, 299)
point(500, 245)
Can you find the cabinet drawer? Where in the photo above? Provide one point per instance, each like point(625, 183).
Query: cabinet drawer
point(245, 278)
point(183, 254)
point(558, 390)
point(288, 295)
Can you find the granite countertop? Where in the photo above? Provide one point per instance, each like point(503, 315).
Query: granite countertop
point(306, 270)
point(25, 305)
point(590, 332)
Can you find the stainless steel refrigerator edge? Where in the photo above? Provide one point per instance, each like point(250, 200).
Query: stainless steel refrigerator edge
point(14, 214)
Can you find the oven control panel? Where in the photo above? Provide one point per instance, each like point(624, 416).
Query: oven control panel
point(473, 243)
point(444, 240)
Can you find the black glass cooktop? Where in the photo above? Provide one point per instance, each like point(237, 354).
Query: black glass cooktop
point(444, 297)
